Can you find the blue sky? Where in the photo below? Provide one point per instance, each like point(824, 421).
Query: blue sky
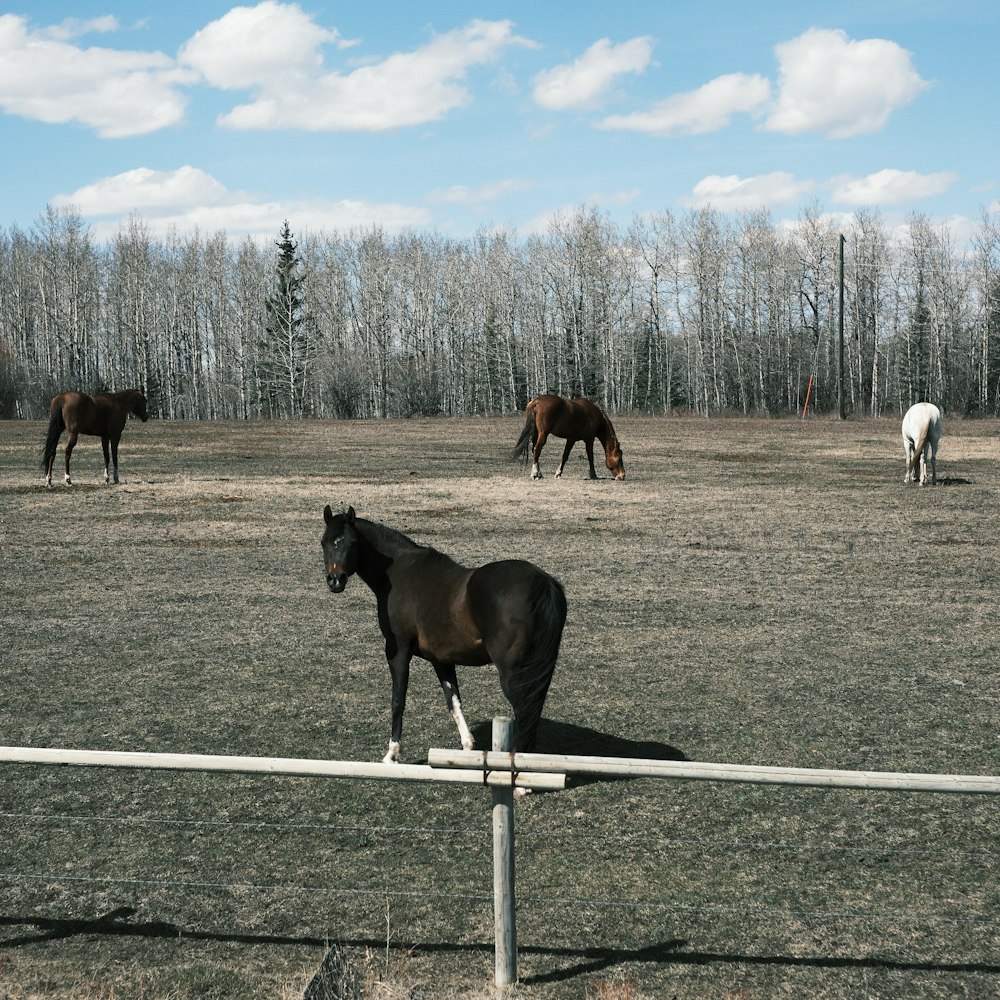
point(455, 116)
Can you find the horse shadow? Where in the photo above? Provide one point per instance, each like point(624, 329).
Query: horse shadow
point(566, 738)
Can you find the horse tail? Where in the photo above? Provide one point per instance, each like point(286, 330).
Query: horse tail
point(56, 427)
point(918, 449)
point(548, 606)
point(527, 437)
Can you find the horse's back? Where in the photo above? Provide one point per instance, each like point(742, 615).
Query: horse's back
point(567, 418)
point(69, 401)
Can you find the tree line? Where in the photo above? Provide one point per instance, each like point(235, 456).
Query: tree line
point(705, 313)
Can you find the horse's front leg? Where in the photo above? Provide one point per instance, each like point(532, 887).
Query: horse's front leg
point(114, 459)
point(399, 670)
point(590, 458)
point(565, 456)
point(449, 684)
point(70, 445)
point(105, 447)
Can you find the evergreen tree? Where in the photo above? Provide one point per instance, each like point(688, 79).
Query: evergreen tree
point(286, 350)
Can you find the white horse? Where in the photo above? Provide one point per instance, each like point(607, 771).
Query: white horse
point(921, 434)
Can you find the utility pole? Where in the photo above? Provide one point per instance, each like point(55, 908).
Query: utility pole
point(840, 349)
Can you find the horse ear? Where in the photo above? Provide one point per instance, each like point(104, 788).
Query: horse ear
point(350, 515)
point(327, 514)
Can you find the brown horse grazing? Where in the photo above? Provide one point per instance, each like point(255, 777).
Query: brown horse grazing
point(103, 415)
point(575, 420)
point(509, 613)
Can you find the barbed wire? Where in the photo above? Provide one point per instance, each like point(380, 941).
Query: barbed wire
point(880, 916)
point(240, 886)
point(686, 843)
point(243, 824)
point(762, 911)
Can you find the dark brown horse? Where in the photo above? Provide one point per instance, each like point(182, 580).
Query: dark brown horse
point(575, 420)
point(103, 415)
point(509, 613)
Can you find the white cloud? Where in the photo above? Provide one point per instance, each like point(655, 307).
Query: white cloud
point(831, 84)
point(74, 27)
point(189, 198)
point(143, 190)
point(890, 187)
point(581, 83)
point(273, 50)
point(738, 194)
point(262, 220)
point(264, 46)
point(707, 109)
point(116, 93)
point(462, 194)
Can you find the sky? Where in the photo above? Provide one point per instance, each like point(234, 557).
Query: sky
point(459, 116)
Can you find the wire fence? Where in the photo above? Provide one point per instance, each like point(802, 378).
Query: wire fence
point(479, 838)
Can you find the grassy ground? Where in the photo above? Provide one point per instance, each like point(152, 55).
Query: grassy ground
point(755, 592)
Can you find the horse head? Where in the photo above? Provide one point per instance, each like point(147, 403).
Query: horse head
point(138, 405)
point(615, 459)
point(340, 548)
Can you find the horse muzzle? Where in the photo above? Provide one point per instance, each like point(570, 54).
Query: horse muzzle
point(336, 582)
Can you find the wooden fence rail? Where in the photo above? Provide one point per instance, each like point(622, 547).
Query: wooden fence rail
point(276, 765)
point(488, 763)
point(504, 771)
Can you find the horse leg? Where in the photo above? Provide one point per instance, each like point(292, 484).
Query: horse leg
point(569, 447)
point(114, 459)
point(908, 449)
point(449, 684)
point(399, 669)
point(536, 471)
point(70, 445)
point(107, 460)
point(923, 464)
point(590, 458)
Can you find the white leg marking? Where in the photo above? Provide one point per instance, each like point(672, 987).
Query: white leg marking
point(468, 743)
point(69, 482)
point(392, 757)
point(536, 472)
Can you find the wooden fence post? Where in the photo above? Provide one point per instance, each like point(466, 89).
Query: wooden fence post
point(504, 900)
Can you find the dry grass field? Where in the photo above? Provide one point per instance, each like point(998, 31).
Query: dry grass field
point(760, 592)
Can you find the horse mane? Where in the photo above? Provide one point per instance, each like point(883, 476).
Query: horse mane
point(383, 538)
point(612, 436)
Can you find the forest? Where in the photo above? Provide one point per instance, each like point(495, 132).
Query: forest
point(704, 313)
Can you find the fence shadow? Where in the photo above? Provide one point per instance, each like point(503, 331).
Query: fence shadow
point(570, 963)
